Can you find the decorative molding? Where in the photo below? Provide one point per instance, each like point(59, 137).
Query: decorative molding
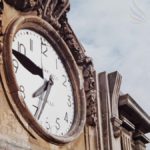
point(127, 124)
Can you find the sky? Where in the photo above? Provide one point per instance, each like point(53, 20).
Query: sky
point(116, 34)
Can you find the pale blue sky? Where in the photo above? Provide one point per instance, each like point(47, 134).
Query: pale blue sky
point(116, 34)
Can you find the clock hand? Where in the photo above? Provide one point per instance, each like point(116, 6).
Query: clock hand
point(42, 105)
point(40, 90)
point(28, 64)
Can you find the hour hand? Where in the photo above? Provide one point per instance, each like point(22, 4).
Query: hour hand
point(28, 64)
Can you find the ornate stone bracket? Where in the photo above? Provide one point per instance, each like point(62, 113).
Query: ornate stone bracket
point(54, 12)
point(116, 126)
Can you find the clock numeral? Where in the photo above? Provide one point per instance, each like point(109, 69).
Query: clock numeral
point(57, 62)
point(31, 44)
point(21, 48)
point(22, 90)
point(66, 117)
point(43, 48)
point(51, 103)
point(16, 65)
point(36, 107)
point(69, 101)
point(57, 123)
point(65, 80)
point(47, 125)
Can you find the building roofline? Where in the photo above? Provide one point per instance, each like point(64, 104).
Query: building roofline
point(129, 107)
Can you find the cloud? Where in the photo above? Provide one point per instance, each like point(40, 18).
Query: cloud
point(116, 34)
point(116, 41)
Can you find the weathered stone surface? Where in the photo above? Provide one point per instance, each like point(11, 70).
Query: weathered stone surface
point(13, 136)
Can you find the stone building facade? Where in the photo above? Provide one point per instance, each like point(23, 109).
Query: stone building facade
point(113, 120)
point(124, 123)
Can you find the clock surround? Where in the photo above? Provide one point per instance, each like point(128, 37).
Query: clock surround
point(45, 29)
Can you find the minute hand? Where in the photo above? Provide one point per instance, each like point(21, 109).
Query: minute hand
point(28, 64)
point(41, 107)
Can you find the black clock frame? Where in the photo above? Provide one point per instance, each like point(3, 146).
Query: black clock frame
point(12, 90)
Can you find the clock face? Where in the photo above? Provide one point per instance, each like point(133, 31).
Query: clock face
point(43, 81)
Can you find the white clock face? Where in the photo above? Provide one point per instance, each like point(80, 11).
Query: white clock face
point(44, 82)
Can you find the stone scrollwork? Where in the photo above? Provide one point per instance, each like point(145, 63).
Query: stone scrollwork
point(23, 5)
point(1, 6)
point(1, 12)
point(54, 12)
point(50, 10)
point(69, 37)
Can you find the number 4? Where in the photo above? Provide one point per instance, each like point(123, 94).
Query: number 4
point(66, 117)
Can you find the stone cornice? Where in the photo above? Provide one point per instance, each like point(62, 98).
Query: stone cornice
point(134, 113)
point(127, 124)
point(141, 137)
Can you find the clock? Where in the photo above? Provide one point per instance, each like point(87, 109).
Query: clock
point(43, 80)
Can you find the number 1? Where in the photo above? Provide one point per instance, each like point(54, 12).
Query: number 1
point(31, 44)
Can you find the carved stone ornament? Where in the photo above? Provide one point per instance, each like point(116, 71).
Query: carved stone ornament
point(116, 126)
point(23, 5)
point(54, 12)
point(87, 67)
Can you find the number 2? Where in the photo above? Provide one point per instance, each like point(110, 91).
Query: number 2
point(65, 80)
